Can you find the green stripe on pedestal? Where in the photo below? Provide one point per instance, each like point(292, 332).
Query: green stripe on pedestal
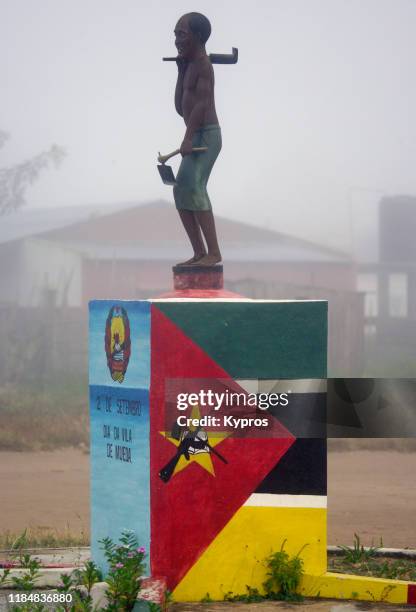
point(257, 339)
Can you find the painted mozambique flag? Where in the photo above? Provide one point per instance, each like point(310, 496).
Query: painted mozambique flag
point(218, 341)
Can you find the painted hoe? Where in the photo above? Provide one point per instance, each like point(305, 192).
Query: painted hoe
point(166, 172)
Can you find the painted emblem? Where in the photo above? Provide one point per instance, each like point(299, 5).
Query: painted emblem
point(192, 445)
point(117, 342)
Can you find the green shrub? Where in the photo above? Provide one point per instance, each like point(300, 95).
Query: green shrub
point(284, 575)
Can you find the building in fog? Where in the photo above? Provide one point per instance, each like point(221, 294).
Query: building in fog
point(66, 258)
point(130, 252)
point(389, 284)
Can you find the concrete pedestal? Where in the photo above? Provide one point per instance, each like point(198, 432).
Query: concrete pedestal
point(209, 527)
point(210, 517)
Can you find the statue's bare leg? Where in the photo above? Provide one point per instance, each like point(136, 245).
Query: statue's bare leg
point(192, 228)
point(206, 220)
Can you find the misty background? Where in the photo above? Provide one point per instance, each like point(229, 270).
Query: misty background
point(317, 116)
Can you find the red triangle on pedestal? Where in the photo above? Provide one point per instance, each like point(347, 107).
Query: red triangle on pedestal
point(190, 510)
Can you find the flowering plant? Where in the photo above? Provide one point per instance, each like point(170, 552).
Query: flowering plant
point(126, 566)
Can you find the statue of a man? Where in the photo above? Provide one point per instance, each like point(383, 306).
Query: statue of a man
point(194, 101)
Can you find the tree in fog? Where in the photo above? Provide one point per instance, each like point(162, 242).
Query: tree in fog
point(15, 179)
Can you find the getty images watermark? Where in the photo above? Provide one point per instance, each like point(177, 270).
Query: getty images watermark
point(216, 401)
point(307, 408)
point(222, 405)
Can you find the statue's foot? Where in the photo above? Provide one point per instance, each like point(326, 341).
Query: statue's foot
point(194, 259)
point(209, 260)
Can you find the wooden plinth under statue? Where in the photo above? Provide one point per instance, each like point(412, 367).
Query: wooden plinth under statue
point(199, 282)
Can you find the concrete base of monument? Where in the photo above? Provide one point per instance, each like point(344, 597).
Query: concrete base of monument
point(195, 281)
point(152, 591)
point(327, 586)
point(360, 588)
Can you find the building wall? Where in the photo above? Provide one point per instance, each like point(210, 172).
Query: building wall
point(133, 280)
point(390, 311)
point(304, 274)
point(397, 229)
point(124, 279)
point(49, 273)
point(43, 344)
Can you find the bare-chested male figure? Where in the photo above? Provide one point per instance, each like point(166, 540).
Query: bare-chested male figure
point(194, 101)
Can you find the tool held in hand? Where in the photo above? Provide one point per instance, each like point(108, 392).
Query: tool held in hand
point(166, 172)
point(215, 58)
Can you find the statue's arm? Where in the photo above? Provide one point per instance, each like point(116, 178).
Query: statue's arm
point(179, 87)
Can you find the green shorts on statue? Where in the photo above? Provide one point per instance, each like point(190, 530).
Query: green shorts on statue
point(190, 191)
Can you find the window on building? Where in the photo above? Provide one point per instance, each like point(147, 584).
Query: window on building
point(398, 294)
point(367, 283)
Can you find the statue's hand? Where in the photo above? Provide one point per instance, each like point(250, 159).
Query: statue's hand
point(182, 64)
point(186, 147)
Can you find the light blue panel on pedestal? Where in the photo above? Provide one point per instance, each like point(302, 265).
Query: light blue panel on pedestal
point(119, 357)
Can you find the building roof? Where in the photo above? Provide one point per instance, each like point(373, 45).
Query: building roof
point(36, 221)
point(152, 231)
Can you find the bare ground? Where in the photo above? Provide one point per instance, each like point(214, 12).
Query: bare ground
point(372, 493)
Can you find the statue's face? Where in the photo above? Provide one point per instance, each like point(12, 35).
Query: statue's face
point(185, 41)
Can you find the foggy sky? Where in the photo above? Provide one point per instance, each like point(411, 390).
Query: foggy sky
point(317, 117)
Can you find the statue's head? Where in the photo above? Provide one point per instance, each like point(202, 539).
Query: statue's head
point(191, 33)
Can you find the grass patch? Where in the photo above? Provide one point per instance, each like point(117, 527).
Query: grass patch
point(362, 561)
point(43, 538)
point(32, 420)
point(377, 567)
point(357, 552)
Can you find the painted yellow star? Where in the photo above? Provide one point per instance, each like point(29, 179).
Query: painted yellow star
point(204, 458)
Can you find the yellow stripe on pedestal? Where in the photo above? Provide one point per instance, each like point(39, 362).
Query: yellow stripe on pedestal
point(236, 558)
point(361, 588)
